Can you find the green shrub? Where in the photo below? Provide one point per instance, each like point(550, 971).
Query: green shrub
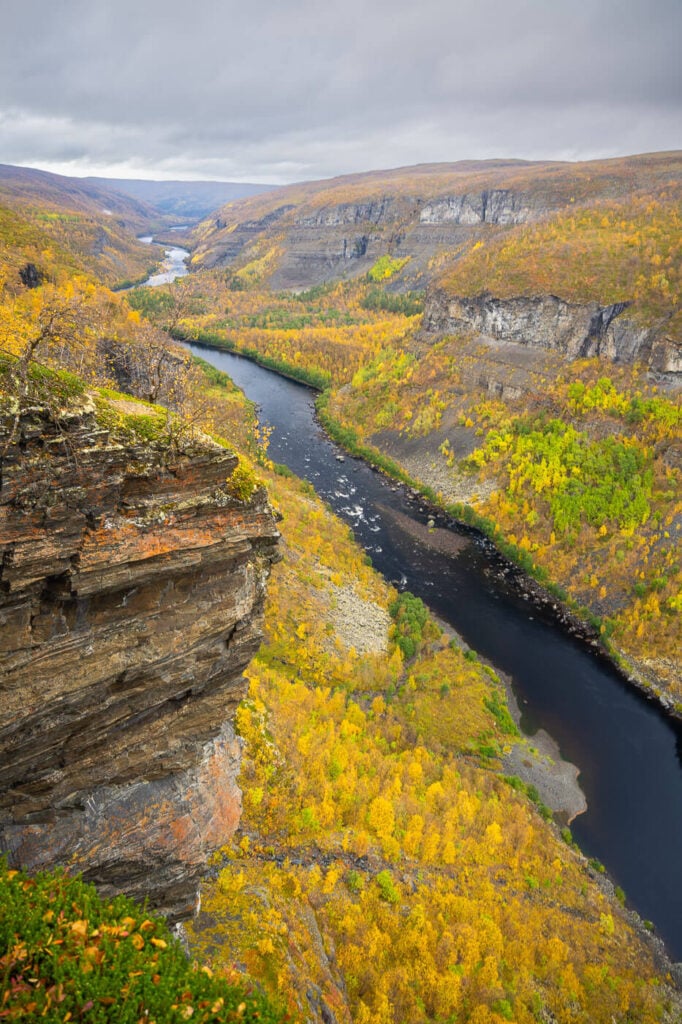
point(407, 303)
point(409, 614)
point(355, 881)
point(387, 889)
point(500, 712)
point(385, 267)
point(65, 954)
point(243, 482)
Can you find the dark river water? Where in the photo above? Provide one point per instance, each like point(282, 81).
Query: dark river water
point(628, 752)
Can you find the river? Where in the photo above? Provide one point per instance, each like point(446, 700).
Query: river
point(173, 265)
point(628, 751)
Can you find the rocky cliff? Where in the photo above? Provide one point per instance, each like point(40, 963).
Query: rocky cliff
point(344, 239)
point(131, 594)
point(327, 230)
point(575, 330)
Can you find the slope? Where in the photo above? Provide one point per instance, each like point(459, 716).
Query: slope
point(322, 231)
point(96, 226)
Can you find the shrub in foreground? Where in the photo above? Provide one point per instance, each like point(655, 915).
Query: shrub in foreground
point(66, 954)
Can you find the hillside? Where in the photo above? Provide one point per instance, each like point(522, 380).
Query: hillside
point(385, 870)
point(322, 231)
point(95, 227)
point(28, 186)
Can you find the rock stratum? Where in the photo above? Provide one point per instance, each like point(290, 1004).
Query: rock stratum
point(131, 596)
point(302, 235)
point(547, 322)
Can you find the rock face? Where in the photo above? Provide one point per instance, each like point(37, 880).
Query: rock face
point(131, 593)
point(575, 330)
point(344, 239)
point(491, 206)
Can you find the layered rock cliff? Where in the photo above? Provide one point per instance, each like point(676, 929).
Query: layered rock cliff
point(327, 230)
point(345, 239)
point(131, 594)
point(575, 330)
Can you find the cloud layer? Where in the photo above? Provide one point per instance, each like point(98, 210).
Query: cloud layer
point(275, 91)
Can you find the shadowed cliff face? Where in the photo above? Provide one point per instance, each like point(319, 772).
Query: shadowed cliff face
point(131, 593)
point(575, 330)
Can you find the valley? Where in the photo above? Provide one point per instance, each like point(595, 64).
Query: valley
point(503, 337)
point(561, 684)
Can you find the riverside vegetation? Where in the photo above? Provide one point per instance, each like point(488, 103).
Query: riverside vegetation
point(571, 466)
point(385, 868)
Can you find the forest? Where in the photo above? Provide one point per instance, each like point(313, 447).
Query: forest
point(386, 867)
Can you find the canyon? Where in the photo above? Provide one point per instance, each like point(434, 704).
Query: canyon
point(443, 306)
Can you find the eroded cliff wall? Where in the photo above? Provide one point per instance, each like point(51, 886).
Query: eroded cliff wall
point(131, 595)
point(345, 239)
point(575, 330)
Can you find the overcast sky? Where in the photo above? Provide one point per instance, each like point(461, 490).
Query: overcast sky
point(286, 90)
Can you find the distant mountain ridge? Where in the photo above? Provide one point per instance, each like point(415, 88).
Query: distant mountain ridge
point(137, 201)
point(190, 200)
point(21, 186)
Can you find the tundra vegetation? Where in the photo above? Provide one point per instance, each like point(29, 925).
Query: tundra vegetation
point(67, 955)
point(575, 473)
point(385, 869)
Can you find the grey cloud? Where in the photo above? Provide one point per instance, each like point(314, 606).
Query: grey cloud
point(280, 91)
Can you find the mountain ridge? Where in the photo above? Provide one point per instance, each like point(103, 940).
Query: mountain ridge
point(317, 232)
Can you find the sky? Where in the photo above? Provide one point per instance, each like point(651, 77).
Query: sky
point(288, 90)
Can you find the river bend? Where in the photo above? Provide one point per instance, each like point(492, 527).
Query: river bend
point(628, 752)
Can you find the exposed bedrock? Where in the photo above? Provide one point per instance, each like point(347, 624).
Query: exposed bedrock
point(131, 595)
point(576, 330)
point(344, 239)
point(492, 206)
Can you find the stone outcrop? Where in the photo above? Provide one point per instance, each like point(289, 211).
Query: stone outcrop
point(131, 594)
point(576, 330)
point(337, 240)
point(374, 212)
point(494, 206)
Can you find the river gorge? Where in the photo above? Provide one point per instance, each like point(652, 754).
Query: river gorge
point(628, 752)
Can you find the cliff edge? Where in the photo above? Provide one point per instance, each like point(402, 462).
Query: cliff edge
point(131, 596)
